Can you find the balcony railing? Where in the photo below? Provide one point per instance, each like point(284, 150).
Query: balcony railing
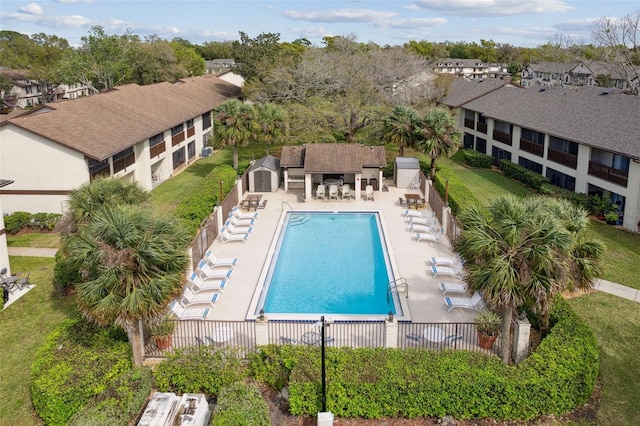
point(176, 139)
point(468, 123)
point(157, 149)
point(532, 147)
point(191, 131)
point(610, 174)
point(124, 162)
point(481, 127)
point(563, 158)
point(502, 137)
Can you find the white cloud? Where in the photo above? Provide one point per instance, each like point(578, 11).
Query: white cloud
point(74, 1)
point(120, 26)
point(341, 15)
point(576, 25)
point(411, 23)
point(311, 32)
point(494, 7)
point(71, 21)
point(31, 9)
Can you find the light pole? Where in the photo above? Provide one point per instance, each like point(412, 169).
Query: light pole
point(324, 372)
point(220, 202)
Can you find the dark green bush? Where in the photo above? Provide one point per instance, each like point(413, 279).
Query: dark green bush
point(460, 197)
point(120, 404)
point(272, 364)
point(204, 369)
point(376, 383)
point(65, 275)
point(45, 221)
point(515, 171)
point(390, 168)
point(16, 222)
point(199, 204)
point(477, 159)
point(241, 404)
point(77, 362)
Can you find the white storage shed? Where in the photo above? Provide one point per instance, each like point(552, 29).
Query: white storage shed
point(264, 175)
point(406, 172)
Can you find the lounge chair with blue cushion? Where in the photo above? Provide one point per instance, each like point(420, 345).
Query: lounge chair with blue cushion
point(206, 272)
point(427, 236)
point(474, 302)
point(235, 212)
point(183, 312)
point(230, 229)
point(215, 262)
point(200, 285)
point(455, 271)
point(226, 237)
point(446, 261)
point(201, 298)
point(452, 288)
point(418, 227)
point(239, 223)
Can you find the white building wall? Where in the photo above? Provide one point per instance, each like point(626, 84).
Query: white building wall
point(4, 253)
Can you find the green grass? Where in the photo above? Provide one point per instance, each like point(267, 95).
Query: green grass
point(23, 328)
point(34, 239)
point(616, 325)
point(622, 254)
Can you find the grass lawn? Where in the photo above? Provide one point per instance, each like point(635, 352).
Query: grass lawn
point(616, 325)
point(34, 239)
point(23, 328)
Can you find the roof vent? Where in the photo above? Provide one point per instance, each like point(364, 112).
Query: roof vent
point(542, 89)
point(606, 91)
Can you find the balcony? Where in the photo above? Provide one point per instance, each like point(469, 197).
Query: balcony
point(176, 139)
point(481, 127)
point(503, 137)
point(124, 162)
point(610, 174)
point(532, 147)
point(157, 149)
point(191, 131)
point(563, 158)
point(468, 123)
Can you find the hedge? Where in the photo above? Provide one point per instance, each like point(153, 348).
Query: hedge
point(241, 404)
point(77, 362)
point(199, 204)
point(460, 197)
point(18, 221)
point(204, 369)
point(515, 171)
point(477, 159)
point(376, 383)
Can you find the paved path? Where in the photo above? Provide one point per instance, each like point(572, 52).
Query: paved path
point(602, 285)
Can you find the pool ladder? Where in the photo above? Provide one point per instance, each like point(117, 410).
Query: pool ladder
point(399, 286)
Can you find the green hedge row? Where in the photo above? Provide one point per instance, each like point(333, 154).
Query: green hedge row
point(241, 404)
point(377, 383)
point(460, 197)
point(198, 205)
point(477, 159)
point(204, 369)
point(77, 362)
point(515, 171)
point(16, 222)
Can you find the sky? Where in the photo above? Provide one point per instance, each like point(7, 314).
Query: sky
point(524, 23)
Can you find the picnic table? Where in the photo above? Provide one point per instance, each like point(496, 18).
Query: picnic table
point(412, 200)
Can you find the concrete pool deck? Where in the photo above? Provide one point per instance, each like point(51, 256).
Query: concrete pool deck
point(425, 302)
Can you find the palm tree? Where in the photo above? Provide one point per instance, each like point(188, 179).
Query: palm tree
point(132, 265)
point(399, 127)
point(437, 136)
point(234, 125)
point(523, 253)
point(271, 123)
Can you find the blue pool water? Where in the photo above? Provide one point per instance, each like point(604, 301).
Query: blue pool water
point(330, 263)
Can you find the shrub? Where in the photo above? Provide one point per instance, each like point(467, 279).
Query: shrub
point(272, 364)
point(477, 159)
point(460, 197)
point(45, 221)
point(16, 222)
point(515, 171)
point(120, 404)
point(203, 369)
point(65, 274)
point(77, 362)
point(241, 404)
point(390, 168)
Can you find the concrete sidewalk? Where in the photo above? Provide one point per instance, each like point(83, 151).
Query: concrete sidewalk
point(601, 285)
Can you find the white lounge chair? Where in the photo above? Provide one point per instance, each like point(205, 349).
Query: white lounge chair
point(418, 227)
point(428, 236)
point(415, 220)
point(474, 302)
point(200, 285)
point(215, 261)
point(225, 237)
point(446, 261)
point(183, 312)
point(412, 213)
point(455, 271)
point(235, 212)
point(320, 192)
point(452, 288)
point(233, 230)
point(368, 190)
point(239, 222)
point(333, 191)
point(206, 272)
point(201, 298)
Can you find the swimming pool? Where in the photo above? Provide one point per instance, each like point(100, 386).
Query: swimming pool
point(329, 263)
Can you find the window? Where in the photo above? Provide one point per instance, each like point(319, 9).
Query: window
point(177, 130)
point(157, 145)
point(178, 158)
point(481, 145)
point(481, 125)
point(469, 119)
point(155, 140)
point(191, 149)
point(563, 151)
point(177, 134)
point(98, 168)
point(533, 136)
point(189, 123)
point(206, 120)
point(500, 154)
point(190, 129)
point(468, 141)
point(502, 132)
point(123, 159)
point(532, 141)
point(560, 179)
point(530, 165)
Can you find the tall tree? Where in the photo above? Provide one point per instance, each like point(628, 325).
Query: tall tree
point(437, 135)
point(132, 265)
point(620, 39)
point(188, 58)
point(156, 62)
point(255, 56)
point(399, 127)
point(521, 253)
point(234, 125)
point(272, 124)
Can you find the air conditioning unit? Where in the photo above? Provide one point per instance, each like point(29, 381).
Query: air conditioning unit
point(207, 151)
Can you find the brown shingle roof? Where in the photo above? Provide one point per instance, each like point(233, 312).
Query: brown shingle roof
point(462, 91)
point(333, 157)
point(584, 115)
point(104, 124)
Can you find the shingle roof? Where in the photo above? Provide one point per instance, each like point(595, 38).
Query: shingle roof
point(581, 114)
point(552, 67)
point(269, 162)
point(462, 91)
point(104, 124)
point(333, 157)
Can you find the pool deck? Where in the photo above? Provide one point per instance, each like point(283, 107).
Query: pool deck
point(409, 257)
